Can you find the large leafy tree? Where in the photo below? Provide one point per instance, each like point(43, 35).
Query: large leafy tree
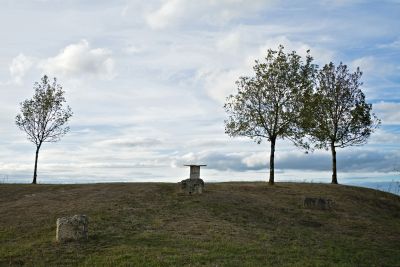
point(337, 115)
point(268, 105)
point(44, 117)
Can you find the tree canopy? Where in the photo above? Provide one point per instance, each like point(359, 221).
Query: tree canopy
point(268, 105)
point(43, 117)
point(337, 114)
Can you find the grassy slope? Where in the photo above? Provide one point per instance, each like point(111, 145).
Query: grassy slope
point(231, 224)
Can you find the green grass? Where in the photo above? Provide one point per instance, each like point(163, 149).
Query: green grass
point(231, 224)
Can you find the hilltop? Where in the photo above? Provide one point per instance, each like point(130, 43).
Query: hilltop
point(231, 224)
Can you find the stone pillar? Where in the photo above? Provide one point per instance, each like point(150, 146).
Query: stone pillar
point(192, 186)
point(194, 172)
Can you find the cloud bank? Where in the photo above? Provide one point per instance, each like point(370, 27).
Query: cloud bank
point(80, 60)
point(19, 66)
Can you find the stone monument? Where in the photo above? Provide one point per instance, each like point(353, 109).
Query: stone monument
point(72, 228)
point(193, 185)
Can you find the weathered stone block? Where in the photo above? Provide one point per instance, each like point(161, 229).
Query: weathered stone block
point(192, 186)
point(72, 228)
point(317, 203)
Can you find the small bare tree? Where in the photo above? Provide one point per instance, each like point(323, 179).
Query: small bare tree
point(43, 117)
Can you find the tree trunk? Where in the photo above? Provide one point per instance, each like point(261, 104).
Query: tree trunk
point(35, 170)
point(271, 162)
point(334, 173)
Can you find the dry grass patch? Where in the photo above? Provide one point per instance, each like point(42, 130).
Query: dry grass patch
point(231, 224)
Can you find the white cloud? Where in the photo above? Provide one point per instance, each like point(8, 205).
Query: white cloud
point(220, 84)
point(167, 14)
point(395, 44)
point(79, 60)
point(388, 112)
point(214, 160)
point(256, 159)
point(189, 157)
point(349, 160)
point(366, 64)
point(230, 42)
point(19, 67)
point(209, 12)
point(168, 78)
point(339, 3)
point(130, 142)
point(373, 66)
point(381, 136)
point(133, 49)
point(320, 55)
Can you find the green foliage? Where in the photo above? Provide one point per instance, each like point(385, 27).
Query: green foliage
point(338, 113)
point(267, 105)
point(43, 117)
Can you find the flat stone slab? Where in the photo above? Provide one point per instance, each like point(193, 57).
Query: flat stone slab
point(192, 186)
point(317, 203)
point(72, 228)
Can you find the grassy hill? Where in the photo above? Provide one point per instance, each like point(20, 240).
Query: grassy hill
point(231, 224)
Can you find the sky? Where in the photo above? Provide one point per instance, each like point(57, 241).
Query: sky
point(147, 81)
